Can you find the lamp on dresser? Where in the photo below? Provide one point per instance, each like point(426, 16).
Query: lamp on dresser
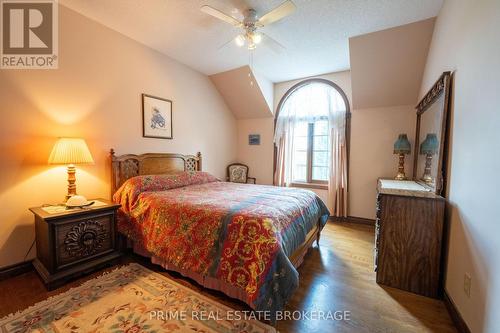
point(429, 147)
point(402, 147)
point(71, 151)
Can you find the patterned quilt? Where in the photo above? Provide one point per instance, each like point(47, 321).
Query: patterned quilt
point(240, 234)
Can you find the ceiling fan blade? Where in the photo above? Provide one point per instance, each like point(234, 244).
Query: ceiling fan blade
point(285, 9)
point(220, 15)
point(273, 44)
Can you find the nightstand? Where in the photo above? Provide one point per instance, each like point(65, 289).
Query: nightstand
point(72, 242)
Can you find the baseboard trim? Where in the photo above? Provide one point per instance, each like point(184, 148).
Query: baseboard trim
point(16, 269)
point(353, 219)
point(455, 315)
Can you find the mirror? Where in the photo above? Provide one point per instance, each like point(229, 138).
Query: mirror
point(432, 111)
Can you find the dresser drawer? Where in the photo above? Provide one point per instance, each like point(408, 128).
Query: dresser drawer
point(83, 239)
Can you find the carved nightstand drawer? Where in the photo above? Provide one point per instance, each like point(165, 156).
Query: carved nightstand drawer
point(83, 239)
point(72, 242)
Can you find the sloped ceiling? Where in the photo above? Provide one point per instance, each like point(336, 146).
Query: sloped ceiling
point(387, 66)
point(266, 88)
point(244, 99)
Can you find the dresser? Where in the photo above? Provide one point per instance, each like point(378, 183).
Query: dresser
point(71, 242)
point(409, 237)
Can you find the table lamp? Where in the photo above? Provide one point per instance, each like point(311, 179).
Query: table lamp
point(402, 147)
point(429, 147)
point(70, 151)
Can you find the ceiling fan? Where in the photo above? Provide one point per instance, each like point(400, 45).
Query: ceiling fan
point(250, 36)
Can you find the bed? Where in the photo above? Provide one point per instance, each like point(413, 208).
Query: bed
point(242, 239)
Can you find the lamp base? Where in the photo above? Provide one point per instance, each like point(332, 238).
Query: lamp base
point(427, 177)
point(71, 182)
point(400, 176)
point(66, 198)
point(401, 168)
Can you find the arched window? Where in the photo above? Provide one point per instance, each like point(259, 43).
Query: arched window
point(310, 136)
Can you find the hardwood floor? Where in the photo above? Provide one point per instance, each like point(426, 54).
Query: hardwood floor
point(337, 276)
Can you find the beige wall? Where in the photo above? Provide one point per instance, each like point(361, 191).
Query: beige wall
point(258, 158)
point(96, 94)
point(373, 132)
point(466, 39)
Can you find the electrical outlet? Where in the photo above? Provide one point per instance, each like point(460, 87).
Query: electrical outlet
point(467, 284)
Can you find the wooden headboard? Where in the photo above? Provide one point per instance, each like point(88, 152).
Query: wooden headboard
point(127, 166)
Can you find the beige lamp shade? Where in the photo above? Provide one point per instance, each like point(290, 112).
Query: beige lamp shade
point(70, 151)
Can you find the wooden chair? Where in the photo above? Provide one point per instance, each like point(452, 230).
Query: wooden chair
point(238, 173)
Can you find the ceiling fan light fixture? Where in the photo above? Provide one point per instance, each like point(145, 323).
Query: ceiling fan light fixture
point(251, 22)
point(240, 40)
point(257, 38)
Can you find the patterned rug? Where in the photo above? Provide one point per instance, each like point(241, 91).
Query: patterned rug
point(131, 299)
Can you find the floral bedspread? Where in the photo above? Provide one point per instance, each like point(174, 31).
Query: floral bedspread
point(237, 233)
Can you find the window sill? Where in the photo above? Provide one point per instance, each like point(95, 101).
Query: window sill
point(315, 186)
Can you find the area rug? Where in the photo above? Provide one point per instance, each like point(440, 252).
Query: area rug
point(131, 299)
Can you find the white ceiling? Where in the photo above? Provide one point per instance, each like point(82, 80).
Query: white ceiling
point(316, 35)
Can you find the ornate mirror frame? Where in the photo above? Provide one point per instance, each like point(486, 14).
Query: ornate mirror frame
point(442, 86)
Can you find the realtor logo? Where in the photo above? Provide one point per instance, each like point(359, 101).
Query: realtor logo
point(29, 34)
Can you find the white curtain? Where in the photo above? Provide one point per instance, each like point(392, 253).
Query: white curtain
point(337, 181)
point(309, 103)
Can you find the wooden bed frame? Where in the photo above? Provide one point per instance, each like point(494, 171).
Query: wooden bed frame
point(127, 166)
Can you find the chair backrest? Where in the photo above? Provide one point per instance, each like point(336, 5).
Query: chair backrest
point(237, 173)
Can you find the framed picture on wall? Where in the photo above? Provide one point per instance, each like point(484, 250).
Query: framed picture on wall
point(254, 139)
point(156, 117)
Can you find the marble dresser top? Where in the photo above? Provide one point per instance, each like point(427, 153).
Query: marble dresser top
point(404, 187)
